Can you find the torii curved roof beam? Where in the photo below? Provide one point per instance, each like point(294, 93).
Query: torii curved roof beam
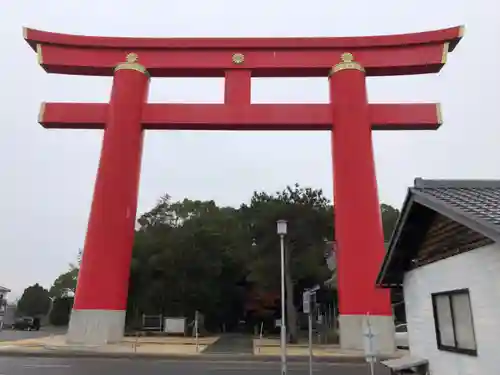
point(415, 53)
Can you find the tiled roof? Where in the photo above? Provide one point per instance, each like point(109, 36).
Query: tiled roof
point(478, 200)
point(472, 203)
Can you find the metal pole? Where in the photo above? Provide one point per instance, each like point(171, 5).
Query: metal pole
point(310, 344)
point(371, 351)
point(196, 332)
point(261, 334)
point(283, 321)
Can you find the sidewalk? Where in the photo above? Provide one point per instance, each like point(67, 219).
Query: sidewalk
point(177, 348)
point(156, 346)
point(271, 347)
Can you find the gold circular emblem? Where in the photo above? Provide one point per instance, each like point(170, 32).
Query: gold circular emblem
point(238, 58)
point(347, 57)
point(132, 57)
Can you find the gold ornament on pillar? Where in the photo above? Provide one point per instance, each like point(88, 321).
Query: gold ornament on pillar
point(132, 58)
point(132, 64)
point(347, 63)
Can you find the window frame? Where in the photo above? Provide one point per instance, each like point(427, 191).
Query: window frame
point(456, 348)
point(401, 325)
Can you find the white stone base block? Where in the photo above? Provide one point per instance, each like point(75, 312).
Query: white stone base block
point(352, 329)
point(95, 327)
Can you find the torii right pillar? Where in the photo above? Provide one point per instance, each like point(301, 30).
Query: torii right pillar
point(358, 224)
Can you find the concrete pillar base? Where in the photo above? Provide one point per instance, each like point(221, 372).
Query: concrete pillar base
point(96, 327)
point(351, 332)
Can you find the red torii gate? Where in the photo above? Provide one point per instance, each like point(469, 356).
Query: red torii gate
point(100, 302)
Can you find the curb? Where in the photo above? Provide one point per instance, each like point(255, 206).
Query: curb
point(180, 357)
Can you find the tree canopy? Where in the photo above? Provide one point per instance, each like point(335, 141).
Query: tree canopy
point(64, 283)
point(35, 301)
point(194, 255)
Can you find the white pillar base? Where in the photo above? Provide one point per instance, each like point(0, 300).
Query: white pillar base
point(351, 332)
point(96, 327)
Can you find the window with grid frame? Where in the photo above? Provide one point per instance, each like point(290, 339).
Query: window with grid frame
point(454, 322)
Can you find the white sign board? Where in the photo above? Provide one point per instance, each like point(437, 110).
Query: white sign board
point(277, 323)
point(175, 325)
point(306, 302)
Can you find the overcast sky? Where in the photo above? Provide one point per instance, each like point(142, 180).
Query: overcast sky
point(47, 176)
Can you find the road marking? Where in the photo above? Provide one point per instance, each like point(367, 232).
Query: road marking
point(276, 366)
point(238, 369)
point(214, 370)
point(47, 366)
point(210, 363)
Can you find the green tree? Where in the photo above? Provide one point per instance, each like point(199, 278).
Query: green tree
point(185, 259)
point(390, 217)
point(34, 301)
point(66, 282)
point(194, 255)
point(61, 311)
point(310, 222)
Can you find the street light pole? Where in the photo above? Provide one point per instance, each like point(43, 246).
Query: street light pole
point(281, 229)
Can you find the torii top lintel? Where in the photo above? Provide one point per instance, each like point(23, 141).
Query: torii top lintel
point(414, 53)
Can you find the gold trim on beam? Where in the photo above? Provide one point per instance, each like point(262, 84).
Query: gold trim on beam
point(132, 64)
point(136, 67)
point(25, 32)
point(444, 57)
point(347, 63)
point(39, 54)
point(41, 114)
point(461, 31)
point(439, 114)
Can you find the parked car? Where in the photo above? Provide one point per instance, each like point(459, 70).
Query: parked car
point(401, 336)
point(27, 323)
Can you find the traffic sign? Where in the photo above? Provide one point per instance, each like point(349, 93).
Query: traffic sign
point(306, 302)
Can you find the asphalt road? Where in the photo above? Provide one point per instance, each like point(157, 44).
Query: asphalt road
point(85, 366)
point(8, 334)
point(232, 343)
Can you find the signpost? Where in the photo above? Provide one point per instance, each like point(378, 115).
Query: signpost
point(370, 344)
point(196, 331)
point(306, 302)
point(306, 308)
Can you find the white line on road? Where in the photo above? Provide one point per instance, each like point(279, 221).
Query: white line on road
point(261, 363)
point(236, 370)
point(47, 366)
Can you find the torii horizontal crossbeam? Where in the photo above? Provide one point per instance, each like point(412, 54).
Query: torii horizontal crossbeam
point(276, 117)
point(415, 53)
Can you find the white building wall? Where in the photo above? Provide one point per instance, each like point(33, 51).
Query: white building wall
point(479, 271)
point(3, 305)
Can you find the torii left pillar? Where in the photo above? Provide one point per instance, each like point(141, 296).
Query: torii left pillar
point(101, 297)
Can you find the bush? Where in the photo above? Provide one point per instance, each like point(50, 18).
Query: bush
point(332, 336)
point(61, 311)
